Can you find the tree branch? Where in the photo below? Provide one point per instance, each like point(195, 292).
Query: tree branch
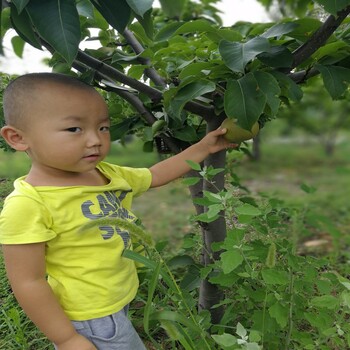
point(138, 49)
point(206, 112)
point(115, 74)
point(319, 38)
point(301, 76)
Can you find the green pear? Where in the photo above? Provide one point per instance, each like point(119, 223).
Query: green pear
point(237, 134)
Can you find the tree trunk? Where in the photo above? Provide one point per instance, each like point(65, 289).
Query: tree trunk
point(211, 294)
point(256, 152)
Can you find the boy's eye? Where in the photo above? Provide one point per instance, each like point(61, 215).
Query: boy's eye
point(104, 128)
point(74, 129)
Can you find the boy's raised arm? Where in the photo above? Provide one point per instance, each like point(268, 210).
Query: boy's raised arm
point(176, 166)
point(25, 265)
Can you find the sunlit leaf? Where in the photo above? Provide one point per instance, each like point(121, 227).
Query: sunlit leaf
point(275, 277)
point(225, 339)
point(247, 209)
point(230, 260)
point(18, 45)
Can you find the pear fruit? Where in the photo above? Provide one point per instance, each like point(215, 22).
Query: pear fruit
point(237, 134)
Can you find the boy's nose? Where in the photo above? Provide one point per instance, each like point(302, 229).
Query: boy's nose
point(93, 139)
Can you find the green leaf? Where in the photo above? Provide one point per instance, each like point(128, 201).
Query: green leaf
point(187, 133)
point(180, 261)
point(214, 210)
point(165, 32)
point(336, 79)
point(230, 260)
point(205, 218)
point(121, 129)
point(334, 6)
point(237, 55)
point(247, 209)
point(20, 4)
point(225, 339)
point(175, 103)
point(194, 165)
point(195, 69)
point(275, 277)
point(23, 26)
point(308, 189)
point(140, 7)
point(199, 25)
point(190, 181)
point(305, 28)
point(269, 86)
point(175, 317)
point(57, 22)
point(173, 8)
point(244, 100)
point(279, 29)
point(241, 331)
point(277, 57)
point(151, 265)
point(151, 289)
point(279, 313)
point(325, 301)
point(85, 9)
point(147, 24)
point(18, 45)
point(288, 87)
point(116, 13)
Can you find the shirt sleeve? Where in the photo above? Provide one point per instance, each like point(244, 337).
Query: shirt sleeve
point(138, 178)
point(24, 220)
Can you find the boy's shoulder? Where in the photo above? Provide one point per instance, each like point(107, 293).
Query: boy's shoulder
point(23, 195)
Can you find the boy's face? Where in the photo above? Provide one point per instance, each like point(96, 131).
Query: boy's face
point(68, 130)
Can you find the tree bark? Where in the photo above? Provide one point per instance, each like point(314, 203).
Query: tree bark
point(211, 294)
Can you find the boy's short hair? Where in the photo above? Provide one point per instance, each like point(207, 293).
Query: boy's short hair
point(24, 90)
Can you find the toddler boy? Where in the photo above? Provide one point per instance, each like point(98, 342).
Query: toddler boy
point(63, 126)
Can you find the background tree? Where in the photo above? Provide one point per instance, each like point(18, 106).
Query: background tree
point(183, 73)
point(318, 115)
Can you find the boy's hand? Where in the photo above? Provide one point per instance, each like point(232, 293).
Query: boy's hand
point(215, 142)
point(77, 342)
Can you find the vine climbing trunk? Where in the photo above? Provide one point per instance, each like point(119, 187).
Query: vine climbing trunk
point(210, 294)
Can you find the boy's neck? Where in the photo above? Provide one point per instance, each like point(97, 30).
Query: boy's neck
point(60, 178)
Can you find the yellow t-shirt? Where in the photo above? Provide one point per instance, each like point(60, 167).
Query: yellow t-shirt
point(85, 268)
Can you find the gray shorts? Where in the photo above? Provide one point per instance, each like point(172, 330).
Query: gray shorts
point(114, 332)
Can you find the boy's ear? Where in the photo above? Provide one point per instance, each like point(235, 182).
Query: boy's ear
point(14, 138)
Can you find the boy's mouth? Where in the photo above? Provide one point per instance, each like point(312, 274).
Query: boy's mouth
point(94, 156)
